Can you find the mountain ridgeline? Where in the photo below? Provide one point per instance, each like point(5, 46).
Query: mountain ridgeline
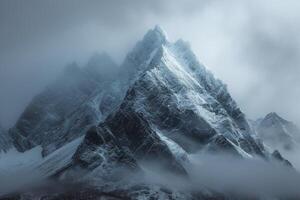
point(160, 106)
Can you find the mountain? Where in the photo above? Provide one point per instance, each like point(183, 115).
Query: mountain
point(78, 99)
point(278, 133)
point(173, 108)
point(187, 103)
point(107, 133)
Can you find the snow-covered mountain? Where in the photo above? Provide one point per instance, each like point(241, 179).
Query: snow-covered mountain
point(78, 99)
point(277, 132)
point(164, 107)
point(173, 107)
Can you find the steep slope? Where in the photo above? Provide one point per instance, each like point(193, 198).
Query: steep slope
point(67, 108)
point(277, 132)
point(5, 140)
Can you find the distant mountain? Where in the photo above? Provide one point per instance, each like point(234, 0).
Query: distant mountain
point(79, 98)
point(277, 132)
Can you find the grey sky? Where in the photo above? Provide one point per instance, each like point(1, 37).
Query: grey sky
point(252, 45)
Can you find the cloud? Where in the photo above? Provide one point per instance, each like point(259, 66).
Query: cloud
point(230, 175)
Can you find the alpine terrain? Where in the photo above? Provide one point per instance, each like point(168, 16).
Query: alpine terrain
point(110, 134)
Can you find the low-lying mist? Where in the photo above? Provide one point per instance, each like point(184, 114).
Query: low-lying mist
point(293, 156)
point(221, 173)
point(232, 175)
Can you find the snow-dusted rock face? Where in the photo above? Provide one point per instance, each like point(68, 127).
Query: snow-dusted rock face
point(278, 133)
point(180, 99)
point(5, 140)
point(67, 108)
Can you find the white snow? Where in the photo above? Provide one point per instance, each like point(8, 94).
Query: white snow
point(14, 160)
point(58, 159)
point(20, 169)
point(180, 154)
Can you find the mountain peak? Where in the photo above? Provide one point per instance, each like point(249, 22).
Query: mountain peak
point(273, 116)
point(277, 132)
point(156, 35)
point(143, 52)
point(101, 66)
point(100, 60)
point(159, 30)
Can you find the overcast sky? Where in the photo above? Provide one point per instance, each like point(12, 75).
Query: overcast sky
point(252, 45)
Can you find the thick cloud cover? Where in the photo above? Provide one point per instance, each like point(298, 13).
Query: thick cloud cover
point(252, 45)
